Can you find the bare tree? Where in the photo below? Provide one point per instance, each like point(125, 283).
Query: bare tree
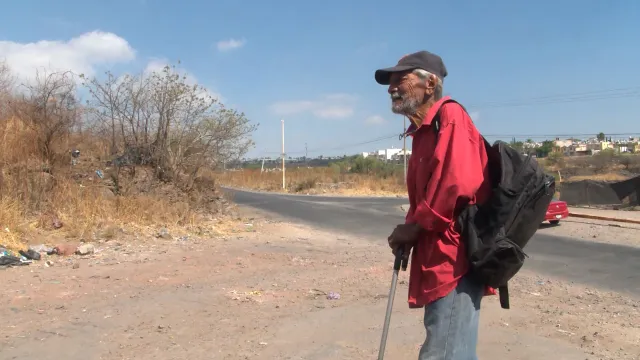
point(49, 107)
point(193, 128)
point(7, 81)
point(168, 122)
point(105, 103)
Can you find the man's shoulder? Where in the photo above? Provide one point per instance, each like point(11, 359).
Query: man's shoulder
point(452, 112)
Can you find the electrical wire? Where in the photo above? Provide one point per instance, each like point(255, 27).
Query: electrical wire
point(606, 94)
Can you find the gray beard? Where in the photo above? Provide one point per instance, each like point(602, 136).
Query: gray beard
point(406, 107)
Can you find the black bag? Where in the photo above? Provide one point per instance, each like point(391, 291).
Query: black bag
point(496, 231)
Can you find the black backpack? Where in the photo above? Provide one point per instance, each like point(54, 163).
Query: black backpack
point(495, 232)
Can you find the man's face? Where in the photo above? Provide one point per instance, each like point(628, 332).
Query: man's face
point(407, 92)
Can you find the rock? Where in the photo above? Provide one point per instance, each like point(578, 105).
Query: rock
point(107, 193)
point(163, 234)
point(65, 249)
point(333, 296)
point(85, 249)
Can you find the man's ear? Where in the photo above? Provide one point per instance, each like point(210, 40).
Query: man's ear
point(430, 84)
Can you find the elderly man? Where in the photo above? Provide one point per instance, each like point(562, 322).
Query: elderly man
point(447, 172)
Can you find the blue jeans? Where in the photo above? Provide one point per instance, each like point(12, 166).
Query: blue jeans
point(452, 323)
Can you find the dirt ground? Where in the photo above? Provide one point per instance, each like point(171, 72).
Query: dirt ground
point(261, 293)
point(606, 232)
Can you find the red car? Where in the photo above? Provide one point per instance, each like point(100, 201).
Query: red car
point(557, 211)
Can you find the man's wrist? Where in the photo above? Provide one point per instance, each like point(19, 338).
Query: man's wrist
point(418, 228)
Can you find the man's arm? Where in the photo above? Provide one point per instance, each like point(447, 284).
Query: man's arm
point(456, 171)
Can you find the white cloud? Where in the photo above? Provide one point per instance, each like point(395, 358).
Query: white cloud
point(84, 54)
point(231, 44)
point(375, 120)
point(474, 115)
point(334, 112)
point(156, 65)
point(81, 55)
point(330, 106)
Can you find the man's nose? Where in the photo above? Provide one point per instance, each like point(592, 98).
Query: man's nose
point(392, 89)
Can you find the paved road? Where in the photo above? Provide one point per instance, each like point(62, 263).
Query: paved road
point(615, 267)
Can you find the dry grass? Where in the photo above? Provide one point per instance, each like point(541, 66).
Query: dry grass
point(37, 196)
point(613, 176)
point(314, 181)
point(328, 180)
point(47, 194)
point(607, 167)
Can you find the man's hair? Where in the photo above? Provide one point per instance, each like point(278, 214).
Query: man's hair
point(424, 75)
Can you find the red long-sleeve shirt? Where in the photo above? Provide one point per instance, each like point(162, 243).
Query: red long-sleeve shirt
point(441, 180)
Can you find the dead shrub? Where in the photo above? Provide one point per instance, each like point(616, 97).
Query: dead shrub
point(163, 126)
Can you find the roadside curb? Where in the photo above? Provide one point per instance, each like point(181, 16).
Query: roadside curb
point(603, 218)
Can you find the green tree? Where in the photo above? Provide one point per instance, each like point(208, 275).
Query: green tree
point(601, 136)
point(517, 145)
point(545, 149)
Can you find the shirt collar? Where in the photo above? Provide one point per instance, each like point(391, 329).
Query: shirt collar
point(428, 118)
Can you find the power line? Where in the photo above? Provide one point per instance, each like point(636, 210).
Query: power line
point(504, 136)
point(387, 137)
point(565, 98)
point(595, 95)
point(556, 135)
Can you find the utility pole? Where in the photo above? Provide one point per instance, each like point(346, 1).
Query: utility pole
point(305, 154)
point(283, 181)
point(404, 148)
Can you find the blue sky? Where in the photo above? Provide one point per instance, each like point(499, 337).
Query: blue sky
point(312, 63)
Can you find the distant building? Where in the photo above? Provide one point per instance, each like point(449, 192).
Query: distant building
point(400, 155)
point(387, 154)
point(579, 149)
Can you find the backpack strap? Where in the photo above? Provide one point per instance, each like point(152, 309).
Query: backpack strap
point(503, 291)
point(435, 123)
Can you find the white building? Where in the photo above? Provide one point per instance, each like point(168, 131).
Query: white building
point(400, 155)
point(387, 154)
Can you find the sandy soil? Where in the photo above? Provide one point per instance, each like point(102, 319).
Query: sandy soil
point(261, 294)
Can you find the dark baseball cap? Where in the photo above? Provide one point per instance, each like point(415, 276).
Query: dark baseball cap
point(421, 60)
